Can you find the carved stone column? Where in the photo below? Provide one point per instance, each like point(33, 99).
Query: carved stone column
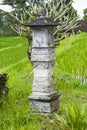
point(44, 97)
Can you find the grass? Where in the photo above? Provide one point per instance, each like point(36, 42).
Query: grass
point(70, 61)
point(71, 57)
point(12, 54)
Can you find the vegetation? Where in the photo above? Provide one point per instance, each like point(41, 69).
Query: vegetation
point(74, 118)
point(85, 14)
point(3, 86)
point(60, 11)
point(70, 53)
point(5, 22)
point(28, 10)
point(71, 61)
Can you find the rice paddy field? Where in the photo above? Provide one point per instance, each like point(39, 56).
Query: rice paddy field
point(70, 73)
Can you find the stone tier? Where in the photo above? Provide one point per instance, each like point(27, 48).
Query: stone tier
point(43, 64)
point(44, 107)
point(43, 54)
point(44, 102)
point(43, 37)
point(43, 51)
point(43, 85)
point(43, 57)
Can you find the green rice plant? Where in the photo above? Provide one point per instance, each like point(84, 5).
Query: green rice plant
point(74, 118)
point(70, 56)
point(6, 42)
point(15, 112)
point(11, 54)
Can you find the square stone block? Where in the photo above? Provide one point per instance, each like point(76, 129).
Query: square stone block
point(43, 57)
point(43, 64)
point(41, 73)
point(43, 85)
point(44, 96)
point(43, 88)
point(43, 51)
point(43, 37)
point(43, 106)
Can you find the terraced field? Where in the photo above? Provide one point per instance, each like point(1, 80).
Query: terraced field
point(71, 61)
point(11, 52)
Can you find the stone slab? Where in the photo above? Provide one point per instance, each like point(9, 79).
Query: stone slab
point(43, 81)
point(44, 96)
point(43, 88)
point(43, 37)
point(44, 73)
point(44, 107)
point(43, 65)
point(43, 57)
point(43, 51)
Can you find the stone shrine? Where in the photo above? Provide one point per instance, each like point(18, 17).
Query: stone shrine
point(44, 97)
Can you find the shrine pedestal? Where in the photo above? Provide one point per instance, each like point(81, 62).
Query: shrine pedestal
point(44, 97)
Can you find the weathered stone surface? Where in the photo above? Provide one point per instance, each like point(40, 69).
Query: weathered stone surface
point(43, 37)
point(43, 84)
point(44, 73)
point(43, 81)
point(43, 57)
point(44, 107)
point(43, 64)
point(42, 22)
point(43, 87)
point(43, 98)
point(43, 51)
point(37, 88)
point(44, 102)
